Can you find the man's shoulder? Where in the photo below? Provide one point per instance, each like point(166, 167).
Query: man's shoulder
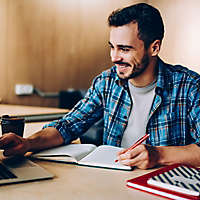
point(179, 72)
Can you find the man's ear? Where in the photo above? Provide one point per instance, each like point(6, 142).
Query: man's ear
point(155, 48)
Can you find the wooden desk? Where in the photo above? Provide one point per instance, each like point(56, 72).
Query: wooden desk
point(75, 182)
point(19, 110)
point(32, 113)
point(6, 109)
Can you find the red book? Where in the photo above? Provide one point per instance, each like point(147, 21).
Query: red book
point(169, 188)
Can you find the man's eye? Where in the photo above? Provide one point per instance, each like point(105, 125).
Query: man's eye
point(125, 49)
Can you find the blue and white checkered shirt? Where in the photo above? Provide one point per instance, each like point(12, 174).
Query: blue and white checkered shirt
point(174, 118)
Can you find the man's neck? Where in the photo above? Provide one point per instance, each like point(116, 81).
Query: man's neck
point(148, 76)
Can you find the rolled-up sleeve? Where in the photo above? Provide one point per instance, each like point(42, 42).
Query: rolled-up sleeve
point(85, 113)
point(194, 114)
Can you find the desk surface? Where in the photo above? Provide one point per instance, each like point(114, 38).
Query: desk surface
point(6, 109)
point(77, 183)
point(74, 182)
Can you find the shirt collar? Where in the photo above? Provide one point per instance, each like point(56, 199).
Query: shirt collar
point(160, 73)
point(164, 78)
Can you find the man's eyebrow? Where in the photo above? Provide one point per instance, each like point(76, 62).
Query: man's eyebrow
point(122, 46)
point(125, 46)
point(110, 43)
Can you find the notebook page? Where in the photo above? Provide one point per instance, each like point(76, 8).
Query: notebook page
point(104, 156)
point(77, 151)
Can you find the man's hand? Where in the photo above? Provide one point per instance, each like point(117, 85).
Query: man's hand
point(143, 156)
point(146, 156)
point(13, 144)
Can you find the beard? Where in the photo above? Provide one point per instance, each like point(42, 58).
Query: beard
point(138, 69)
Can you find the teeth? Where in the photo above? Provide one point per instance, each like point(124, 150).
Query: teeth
point(122, 66)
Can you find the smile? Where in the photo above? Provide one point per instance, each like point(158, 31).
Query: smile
point(123, 66)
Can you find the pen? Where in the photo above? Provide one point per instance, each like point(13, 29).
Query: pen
point(142, 139)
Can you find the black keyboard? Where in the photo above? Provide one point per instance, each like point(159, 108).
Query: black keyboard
point(5, 173)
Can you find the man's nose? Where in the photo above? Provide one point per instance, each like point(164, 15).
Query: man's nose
point(115, 56)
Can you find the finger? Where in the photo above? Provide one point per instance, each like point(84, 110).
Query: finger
point(134, 156)
point(142, 160)
point(131, 153)
point(136, 161)
point(121, 152)
point(14, 150)
point(7, 139)
point(125, 156)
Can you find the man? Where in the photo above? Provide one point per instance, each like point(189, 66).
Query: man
point(140, 94)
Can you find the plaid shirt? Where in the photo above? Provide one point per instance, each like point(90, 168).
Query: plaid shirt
point(174, 118)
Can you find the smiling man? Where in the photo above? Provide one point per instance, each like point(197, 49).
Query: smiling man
point(128, 53)
point(139, 95)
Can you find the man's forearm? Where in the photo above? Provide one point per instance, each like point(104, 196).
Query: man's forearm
point(46, 138)
point(189, 154)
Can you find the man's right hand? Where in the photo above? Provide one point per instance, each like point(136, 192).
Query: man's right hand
point(13, 144)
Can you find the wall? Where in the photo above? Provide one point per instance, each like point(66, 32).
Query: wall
point(181, 44)
point(3, 49)
point(59, 44)
point(52, 44)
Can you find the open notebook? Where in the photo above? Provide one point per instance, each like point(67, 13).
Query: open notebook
point(84, 154)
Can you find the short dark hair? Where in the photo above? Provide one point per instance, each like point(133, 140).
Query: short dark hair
point(148, 18)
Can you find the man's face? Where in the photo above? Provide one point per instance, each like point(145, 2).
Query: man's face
point(127, 51)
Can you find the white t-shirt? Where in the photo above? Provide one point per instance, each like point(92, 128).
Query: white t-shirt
point(142, 101)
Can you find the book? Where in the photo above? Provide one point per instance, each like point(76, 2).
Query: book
point(89, 155)
point(182, 179)
point(167, 182)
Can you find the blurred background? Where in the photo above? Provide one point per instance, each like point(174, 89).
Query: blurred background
point(61, 45)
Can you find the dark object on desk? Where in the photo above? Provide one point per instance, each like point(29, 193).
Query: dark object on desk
point(68, 98)
point(43, 117)
point(12, 124)
point(40, 117)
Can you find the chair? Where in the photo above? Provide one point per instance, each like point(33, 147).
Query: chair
point(94, 135)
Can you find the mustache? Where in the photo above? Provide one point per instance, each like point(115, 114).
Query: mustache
point(121, 63)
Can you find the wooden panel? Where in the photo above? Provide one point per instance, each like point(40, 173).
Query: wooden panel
point(182, 30)
point(3, 50)
point(54, 45)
